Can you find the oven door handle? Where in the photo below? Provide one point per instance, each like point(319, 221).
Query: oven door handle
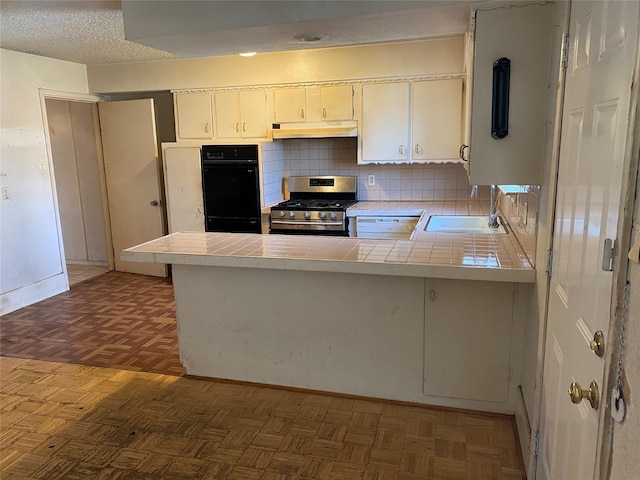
point(286, 222)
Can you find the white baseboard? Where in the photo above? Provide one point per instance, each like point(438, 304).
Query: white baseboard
point(22, 297)
point(524, 429)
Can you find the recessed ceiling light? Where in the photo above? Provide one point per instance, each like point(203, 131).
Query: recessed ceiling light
point(247, 54)
point(306, 37)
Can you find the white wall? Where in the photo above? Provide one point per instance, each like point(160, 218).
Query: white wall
point(31, 262)
point(441, 56)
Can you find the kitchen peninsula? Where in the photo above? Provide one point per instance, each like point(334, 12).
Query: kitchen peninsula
point(436, 319)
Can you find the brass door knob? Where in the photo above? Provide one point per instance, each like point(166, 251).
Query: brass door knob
point(597, 344)
point(592, 394)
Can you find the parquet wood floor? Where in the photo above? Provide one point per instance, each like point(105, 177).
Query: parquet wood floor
point(116, 320)
point(63, 421)
point(65, 415)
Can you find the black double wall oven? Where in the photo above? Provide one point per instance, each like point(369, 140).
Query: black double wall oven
point(231, 188)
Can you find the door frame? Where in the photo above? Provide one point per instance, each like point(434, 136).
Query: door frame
point(620, 271)
point(80, 98)
point(604, 443)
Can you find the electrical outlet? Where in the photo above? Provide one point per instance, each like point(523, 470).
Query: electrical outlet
point(372, 179)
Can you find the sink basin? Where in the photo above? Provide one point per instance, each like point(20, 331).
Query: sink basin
point(477, 224)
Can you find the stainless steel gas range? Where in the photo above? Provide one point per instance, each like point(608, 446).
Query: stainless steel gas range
point(317, 206)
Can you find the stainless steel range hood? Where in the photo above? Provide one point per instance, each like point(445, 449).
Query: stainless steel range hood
point(315, 129)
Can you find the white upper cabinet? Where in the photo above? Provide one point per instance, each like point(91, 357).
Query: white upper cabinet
point(436, 120)
point(289, 105)
point(336, 102)
point(417, 122)
point(241, 114)
point(313, 104)
point(193, 116)
point(385, 123)
point(523, 35)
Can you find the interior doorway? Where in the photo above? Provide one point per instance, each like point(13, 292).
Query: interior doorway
point(75, 149)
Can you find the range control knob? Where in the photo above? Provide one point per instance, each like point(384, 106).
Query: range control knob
point(307, 215)
point(333, 215)
point(281, 213)
point(323, 215)
point(292, 214)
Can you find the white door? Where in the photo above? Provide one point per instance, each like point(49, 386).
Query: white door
point(594, 126)
point(132, 176)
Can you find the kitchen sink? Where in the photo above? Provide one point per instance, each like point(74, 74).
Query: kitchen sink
point(476, 224)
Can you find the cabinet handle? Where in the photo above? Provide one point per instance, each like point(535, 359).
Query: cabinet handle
point(500, 101)
point(401, 150)
point(324, 113)
point(237, 127)
point(206, 128)
point(461, 152)
point(302, 113)
point(244, 127)
point(418, 149)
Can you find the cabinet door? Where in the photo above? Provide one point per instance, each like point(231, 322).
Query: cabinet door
point(524, 35)
point(385, 122)
point(183, 189)
point(436, 120)
point(289, 105)
point(468, 339)
point(193, 115)
point(336, 102)
point(228, 120)
point(253, 113)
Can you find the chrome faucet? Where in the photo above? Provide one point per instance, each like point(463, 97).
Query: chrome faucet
point(493, 209)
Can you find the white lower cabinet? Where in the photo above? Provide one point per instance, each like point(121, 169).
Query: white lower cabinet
point(183, 188)
point(469, 326)
point(385, 227)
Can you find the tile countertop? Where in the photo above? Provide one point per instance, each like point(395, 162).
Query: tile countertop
point(427, 254)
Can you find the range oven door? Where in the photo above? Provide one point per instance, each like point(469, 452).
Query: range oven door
point(288, 227)
point(231, 196)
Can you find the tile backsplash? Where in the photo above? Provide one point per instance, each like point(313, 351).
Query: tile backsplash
point(520, 209)
point(338, 156)
point(431, 182)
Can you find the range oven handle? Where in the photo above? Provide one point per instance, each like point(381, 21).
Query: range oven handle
point(227, 163)
point(286, 222)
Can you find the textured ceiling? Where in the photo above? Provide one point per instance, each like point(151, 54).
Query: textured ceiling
point(88, 32)
point(93, 32)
